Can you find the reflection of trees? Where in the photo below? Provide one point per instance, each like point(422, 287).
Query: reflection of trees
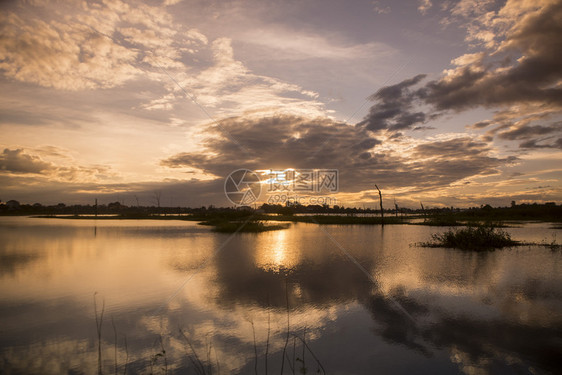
point(394, 325)
point(11, 263)
point(502, 343)
point(20, 251)
point(498, 340)
point(332, 281)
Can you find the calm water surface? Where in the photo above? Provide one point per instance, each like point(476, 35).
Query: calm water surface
point(398, 309)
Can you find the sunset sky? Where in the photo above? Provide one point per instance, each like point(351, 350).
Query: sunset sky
point(445, 102)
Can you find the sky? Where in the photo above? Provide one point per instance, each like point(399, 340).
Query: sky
point(449, 103)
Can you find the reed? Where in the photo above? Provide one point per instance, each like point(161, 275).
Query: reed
point(475, 238)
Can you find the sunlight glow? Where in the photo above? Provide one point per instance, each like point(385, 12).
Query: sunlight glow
point(274, 252)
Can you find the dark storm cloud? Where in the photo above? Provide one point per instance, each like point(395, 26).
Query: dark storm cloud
point(481, 124)
point(534, 143)
point(393, 108)
point(21, 167)
point(455, 159)
point(454, 148)
point(529, 131)
point(368, 143)
point(537, 38)
point(16, 161)
point(295, 142)
point(277, 142)
point(421, 128)
point(531, 45)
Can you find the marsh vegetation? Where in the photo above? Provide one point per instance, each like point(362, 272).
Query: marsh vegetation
point(478, 238)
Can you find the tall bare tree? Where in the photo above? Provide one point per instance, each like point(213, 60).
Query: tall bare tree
point(157, 195)
point(380, 201)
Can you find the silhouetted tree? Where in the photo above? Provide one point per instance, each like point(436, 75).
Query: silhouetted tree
point(157, 197)
point(380, 201)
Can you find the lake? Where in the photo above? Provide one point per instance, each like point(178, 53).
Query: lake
point(179, 298)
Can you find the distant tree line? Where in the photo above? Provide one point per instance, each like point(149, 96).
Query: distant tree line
point(516, 211)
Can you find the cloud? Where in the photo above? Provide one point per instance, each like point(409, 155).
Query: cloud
point(380, 9)
point(362, 160)
point(63, 56)
point(91, 46)
point(119, 45)
point(286, 44)
point(186, 193)
point(16, 161)
point(531, 42)
point(518, 74)
point(480, 124)
point(534, 143)
point(229, 88)
point(469, 59)
point(122, 49)
point(475, 17)
point(529, 131)
point(61, 167)
point(424, 6)
point(393, 108)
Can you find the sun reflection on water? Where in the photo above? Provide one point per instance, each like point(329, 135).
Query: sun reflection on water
point(277, 251)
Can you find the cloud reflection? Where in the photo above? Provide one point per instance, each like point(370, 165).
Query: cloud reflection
point(481, 313)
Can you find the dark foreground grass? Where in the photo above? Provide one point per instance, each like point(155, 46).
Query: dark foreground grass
point(204, 365)
point(476, 238)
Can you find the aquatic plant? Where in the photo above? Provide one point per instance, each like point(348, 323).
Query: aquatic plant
point(477, 238)
point(225, 226)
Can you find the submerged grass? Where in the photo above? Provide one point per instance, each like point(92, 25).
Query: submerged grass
point(247, 224)
point(441, 221)
point(158, 362)
point(476, 238)
point(341, 220)
point(251, 226)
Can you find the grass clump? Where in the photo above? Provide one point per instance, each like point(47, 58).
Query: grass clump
point(249, 227)
point(442, 221)
point(476, 238)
